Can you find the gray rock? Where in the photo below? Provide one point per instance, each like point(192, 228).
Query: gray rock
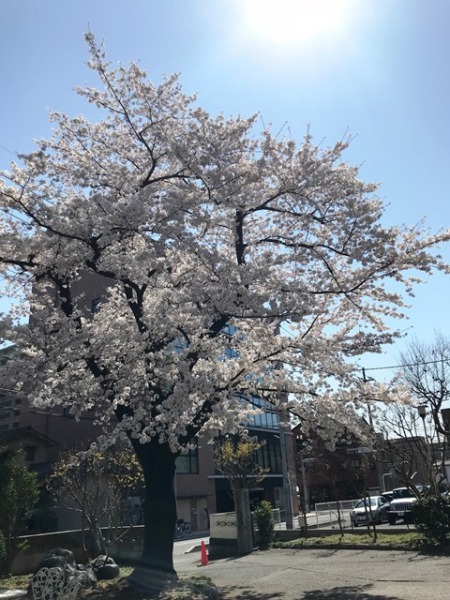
point(105, 567)
point(58, 557)
point(65, 560)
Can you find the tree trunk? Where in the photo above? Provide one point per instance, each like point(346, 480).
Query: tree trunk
point(243, 521)
point(98, 540)
point(155, 569)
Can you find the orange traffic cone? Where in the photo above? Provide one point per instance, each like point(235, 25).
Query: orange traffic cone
point(203, 554)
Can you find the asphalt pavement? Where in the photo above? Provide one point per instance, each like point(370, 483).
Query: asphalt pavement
point(326, 575)
point(317, 574)
point(309, 574)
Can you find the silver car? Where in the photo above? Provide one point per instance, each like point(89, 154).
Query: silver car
point(370, 510)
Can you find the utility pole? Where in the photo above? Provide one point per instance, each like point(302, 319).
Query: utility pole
point(305, 482)
point(375, 457)
point(287, 490)
point(422, 410)
point(369, 408)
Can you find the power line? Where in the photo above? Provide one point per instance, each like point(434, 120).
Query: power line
point(8, 150)
point(417, 364)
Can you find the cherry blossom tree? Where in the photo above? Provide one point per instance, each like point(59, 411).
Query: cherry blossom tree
point(222, 264)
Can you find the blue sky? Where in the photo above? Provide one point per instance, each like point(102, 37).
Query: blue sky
point(378, 69)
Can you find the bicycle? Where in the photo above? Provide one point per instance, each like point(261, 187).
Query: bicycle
point(182, 528)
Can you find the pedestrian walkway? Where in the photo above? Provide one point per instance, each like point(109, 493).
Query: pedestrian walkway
point(322, 575)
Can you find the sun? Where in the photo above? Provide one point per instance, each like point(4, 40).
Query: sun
point(287, 23)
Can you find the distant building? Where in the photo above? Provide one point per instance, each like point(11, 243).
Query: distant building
point(347, 472)
point(10, 401)
point(200, 489)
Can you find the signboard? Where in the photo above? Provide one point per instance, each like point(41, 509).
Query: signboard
point(223, 525)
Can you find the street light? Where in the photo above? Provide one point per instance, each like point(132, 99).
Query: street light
point(422, 410)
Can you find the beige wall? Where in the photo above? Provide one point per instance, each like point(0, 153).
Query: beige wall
point(42, 448)
point(196, 491)
point(64, 430)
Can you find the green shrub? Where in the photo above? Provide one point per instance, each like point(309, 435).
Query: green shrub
point(19, 492)
point(264, 521)
point(432, 517)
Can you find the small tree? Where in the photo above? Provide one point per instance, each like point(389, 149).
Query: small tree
point(19, 493)
point(237, 460)
point(264, 521)
point(431, 515)
point(97, 486)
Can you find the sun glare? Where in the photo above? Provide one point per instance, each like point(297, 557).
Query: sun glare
point(287, 23)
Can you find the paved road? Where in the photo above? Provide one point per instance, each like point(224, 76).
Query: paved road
point(327, 575)
point(183, 547)
point(320, 574)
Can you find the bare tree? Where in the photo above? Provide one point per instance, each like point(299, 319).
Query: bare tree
point(426, 370)
point(98, 487)
point(333, 464)
point(411, 457)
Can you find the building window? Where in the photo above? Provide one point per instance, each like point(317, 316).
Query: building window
point(187, 462)
point(269, 455)
point(268, 419)
point(30, 452)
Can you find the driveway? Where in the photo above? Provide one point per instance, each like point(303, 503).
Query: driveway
point(327, 575)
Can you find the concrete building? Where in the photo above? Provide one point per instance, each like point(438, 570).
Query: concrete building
point(200, 489)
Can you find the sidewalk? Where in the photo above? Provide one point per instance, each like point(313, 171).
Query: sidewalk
point(324, 575)
point(320, 575)
point(12, 594)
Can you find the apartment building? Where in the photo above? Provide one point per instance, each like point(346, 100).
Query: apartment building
point(200, 488)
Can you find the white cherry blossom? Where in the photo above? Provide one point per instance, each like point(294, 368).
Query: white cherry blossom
point(223, 261)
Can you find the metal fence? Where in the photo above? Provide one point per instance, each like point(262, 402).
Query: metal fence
point(329, 513)
point(276, 513)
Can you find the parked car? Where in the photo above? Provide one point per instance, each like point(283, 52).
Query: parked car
point(388, 495)
point(402, 503)
point(370, 510)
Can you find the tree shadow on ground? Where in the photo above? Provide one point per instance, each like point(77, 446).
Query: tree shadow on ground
point(356, 592)
point(187, 589)
point(243, 593)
